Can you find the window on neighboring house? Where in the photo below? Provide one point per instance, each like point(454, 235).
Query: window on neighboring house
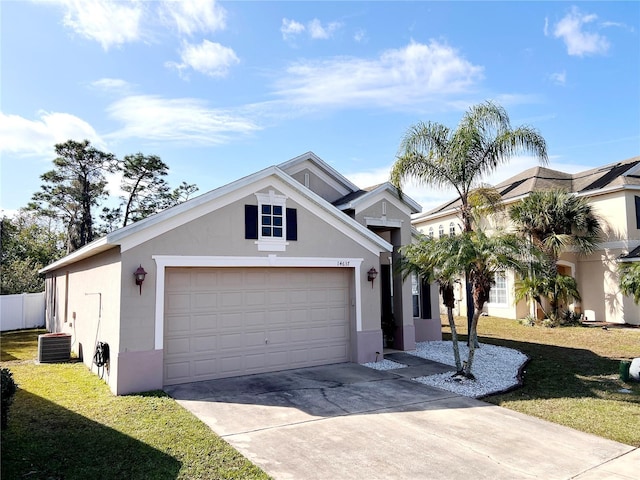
point(440, 231)
point(498, 292)
point(452, 229)
point(270, 223)
point(430, 232)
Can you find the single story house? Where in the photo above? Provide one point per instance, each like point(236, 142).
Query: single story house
point(288, 267)
point(613, 191)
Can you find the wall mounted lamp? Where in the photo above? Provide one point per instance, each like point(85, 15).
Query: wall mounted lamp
point(139, 274)
point(371, 275)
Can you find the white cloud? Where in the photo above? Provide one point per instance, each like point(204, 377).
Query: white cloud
point(315, 29)
point(360, 36)
point(192, 16)
point(110, 23)
point(318, 31)
point(209, 58)
point(398, 77)
point(580, 42)
point(559, 78)
point(116, 85)
point(291, 28)
point(19, 135)
point(186, 120)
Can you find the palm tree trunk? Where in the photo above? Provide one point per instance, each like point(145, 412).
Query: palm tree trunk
point(454, 340)
point(472, 344)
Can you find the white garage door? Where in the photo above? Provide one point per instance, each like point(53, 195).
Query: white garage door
point(225, 322)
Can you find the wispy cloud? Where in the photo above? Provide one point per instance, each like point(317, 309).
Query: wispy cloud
point(314, 28)
point(209, 58)
point(109, 23)
point(23, 136)
point(182, 120)
point(112, 85)
point(573, 30)
point(559, 78)
point(397, 78)
point(193, 16)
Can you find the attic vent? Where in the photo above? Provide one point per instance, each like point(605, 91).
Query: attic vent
point(54, 347)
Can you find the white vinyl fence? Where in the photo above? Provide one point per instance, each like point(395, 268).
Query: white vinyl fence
point(21, 311)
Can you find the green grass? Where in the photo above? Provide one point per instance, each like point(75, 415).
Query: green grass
point(65, 423)
point(573, 375)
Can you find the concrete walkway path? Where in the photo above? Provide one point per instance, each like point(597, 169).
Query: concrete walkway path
point(347, 421)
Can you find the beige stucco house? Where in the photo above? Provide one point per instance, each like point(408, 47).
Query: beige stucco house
point(273, 271)
point(614, 193)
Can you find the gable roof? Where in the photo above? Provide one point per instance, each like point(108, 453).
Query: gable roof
point(588, 182)
point(354, 199)
point(150, 227)
point(293, 165)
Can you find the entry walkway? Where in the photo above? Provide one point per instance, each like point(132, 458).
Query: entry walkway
point(350, 422)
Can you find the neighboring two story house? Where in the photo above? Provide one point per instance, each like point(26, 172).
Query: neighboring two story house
point(613, 191)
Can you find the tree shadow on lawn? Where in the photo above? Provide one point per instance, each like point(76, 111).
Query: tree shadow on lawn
point(565, 372)
point(45, 440)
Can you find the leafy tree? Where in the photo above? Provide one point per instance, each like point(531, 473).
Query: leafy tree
point(74, 188)
point(435, 155)
point(630, 279)
point(29, 243)
point(554, 221)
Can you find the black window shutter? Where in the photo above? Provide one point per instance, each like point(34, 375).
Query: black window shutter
point(292, 224)
point(251, 222)
point(637, 199)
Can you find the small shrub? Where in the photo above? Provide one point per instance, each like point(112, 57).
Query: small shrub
point(528, 321)
point(8, 390)
point(570, 318)
point(549, 323)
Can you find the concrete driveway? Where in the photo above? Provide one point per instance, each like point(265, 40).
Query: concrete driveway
point(347, 421)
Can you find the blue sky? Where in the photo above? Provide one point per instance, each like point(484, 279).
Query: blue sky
point(220, 90)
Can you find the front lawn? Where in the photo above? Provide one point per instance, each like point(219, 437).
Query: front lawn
point(65, 423)
point(573, 376)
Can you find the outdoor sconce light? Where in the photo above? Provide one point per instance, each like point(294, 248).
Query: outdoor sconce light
point(139, 274)
point(371, 275)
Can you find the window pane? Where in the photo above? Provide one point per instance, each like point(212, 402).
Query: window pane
point(277, 210)
point(266, 220)
point(266, 209)
point(266, 231)
point(277, 221)
point(277, 232)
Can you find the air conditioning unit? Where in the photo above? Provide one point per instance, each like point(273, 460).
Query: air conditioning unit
point(54, 347)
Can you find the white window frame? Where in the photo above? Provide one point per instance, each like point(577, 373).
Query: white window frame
point(495, 289)
point(440, 231)
point(270, 243)
point(452, 229)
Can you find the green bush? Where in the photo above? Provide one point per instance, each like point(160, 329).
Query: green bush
point(528, 321)
point(7, 392)
point(570, 319)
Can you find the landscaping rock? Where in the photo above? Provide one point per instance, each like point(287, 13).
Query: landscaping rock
point(634, 370)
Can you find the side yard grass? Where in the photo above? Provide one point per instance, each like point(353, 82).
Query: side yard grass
point(65, 423)
point(573, 375)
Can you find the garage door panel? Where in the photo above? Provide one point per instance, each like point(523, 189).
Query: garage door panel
point(217, 320)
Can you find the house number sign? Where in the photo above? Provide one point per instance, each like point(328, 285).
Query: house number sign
point(343, 263)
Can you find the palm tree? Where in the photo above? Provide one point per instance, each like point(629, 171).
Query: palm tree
point(423, 258)
point(433, 154)
point(473, 253)
point(554, 221)
point(630, 279)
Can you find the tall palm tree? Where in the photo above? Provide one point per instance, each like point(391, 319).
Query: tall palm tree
point(555, 221)
point(435, 155)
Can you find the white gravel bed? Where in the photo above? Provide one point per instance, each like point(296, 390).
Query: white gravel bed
point(384, 365)
point(495, 368)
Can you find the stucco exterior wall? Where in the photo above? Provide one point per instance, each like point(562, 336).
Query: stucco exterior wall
point(90, 308)
point(318, 185)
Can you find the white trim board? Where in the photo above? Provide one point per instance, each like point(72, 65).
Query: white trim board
point(164, 261)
